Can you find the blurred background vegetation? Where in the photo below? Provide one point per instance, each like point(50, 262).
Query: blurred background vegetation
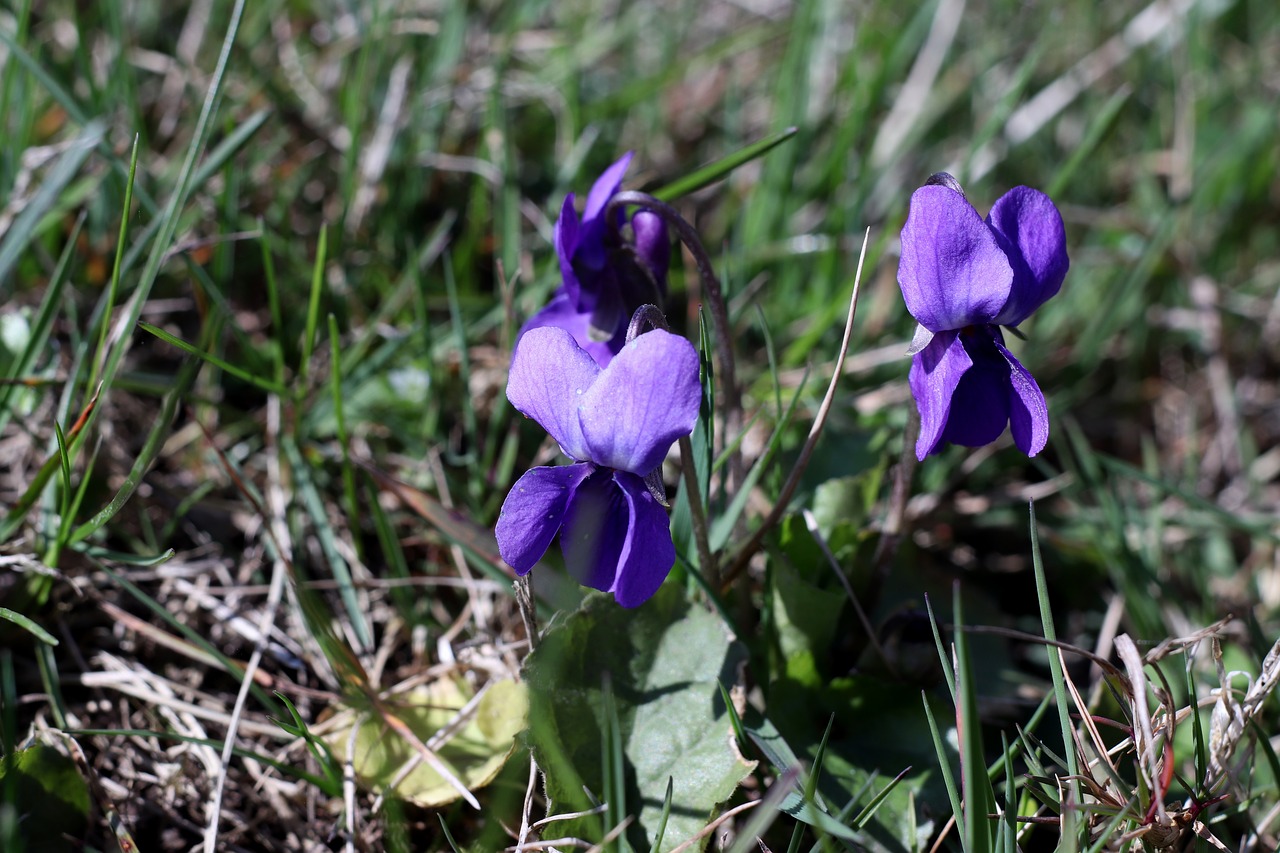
point(351, 210)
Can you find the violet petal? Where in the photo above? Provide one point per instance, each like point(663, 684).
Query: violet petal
point(952, 271)
point(591, 250)
point(533, 512)
point(935, 372)
point(647, 398)
point(550, 377)
point(653, 245)
point(980, 403)
point(1029, 228)
point(566, 241)
point(595, 531)
point(648, 552)
point(1028, 411)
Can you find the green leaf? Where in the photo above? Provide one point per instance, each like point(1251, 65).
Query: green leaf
point(474, 753)
point(47, 802)
point(664, 661)
point(807, 617)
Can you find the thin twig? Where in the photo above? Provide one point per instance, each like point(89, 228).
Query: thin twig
point(732, 403)
point(896, 515)
point(815, 432)
point(525, 827)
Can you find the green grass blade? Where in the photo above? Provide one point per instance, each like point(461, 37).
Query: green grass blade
point(335, 386)
point(313, 503)
point(28, 625)
point(944, 761)
point(150, 449)
point(313, 310)
point(25, 224)
point(1061, 697)
point(168, 219)
point(42, 325)
point(976, 785)
point(708, 175)
point(113, 289)
point(222, 364)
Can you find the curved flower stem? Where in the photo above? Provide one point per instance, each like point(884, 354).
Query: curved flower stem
point(646, 315)
point(731, 408)
point(745, 554)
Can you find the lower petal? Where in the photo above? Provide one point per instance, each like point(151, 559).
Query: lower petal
point(648, 553)
point(936, 371)
point(1028, 411)
point(980, 407)
point(595, 531)
point(534, 511)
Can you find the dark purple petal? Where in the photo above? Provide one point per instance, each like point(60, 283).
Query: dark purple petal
point(935, 372)
point(1028, 412)
point(606, 186)
point(534, 511)
point(980, 404)
point(644, 400)
point(648, 552)
point(595, 531)
point(609, 317)
point(549, 379)
point(952, 271)
point(653, 245)
point(590, 251)
point(1029, 228)
point(566, 242)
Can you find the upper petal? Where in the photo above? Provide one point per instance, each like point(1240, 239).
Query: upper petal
point(647, 553)
point(595, 531)
point(563, 313)
point(935, 372)
point(566, 242)
point(550, 376)
point(644, 400)
point(534, 511)
point(952, 271)
point(1028, 412)
point(591, 250)
point(1029, 228)
point(606, 186)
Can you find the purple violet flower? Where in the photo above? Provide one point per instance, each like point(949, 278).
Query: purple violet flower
point(963, 278)
point(617, 423)
point(604, 278)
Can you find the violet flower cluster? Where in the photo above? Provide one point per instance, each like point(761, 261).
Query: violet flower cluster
point(604, 278)
point(615, 406)
point(962, 278)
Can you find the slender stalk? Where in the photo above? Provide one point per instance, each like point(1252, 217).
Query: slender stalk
point(744, 555)
point(896, 515)
point(732, 405)
point(701, 536)
point(528, 611)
